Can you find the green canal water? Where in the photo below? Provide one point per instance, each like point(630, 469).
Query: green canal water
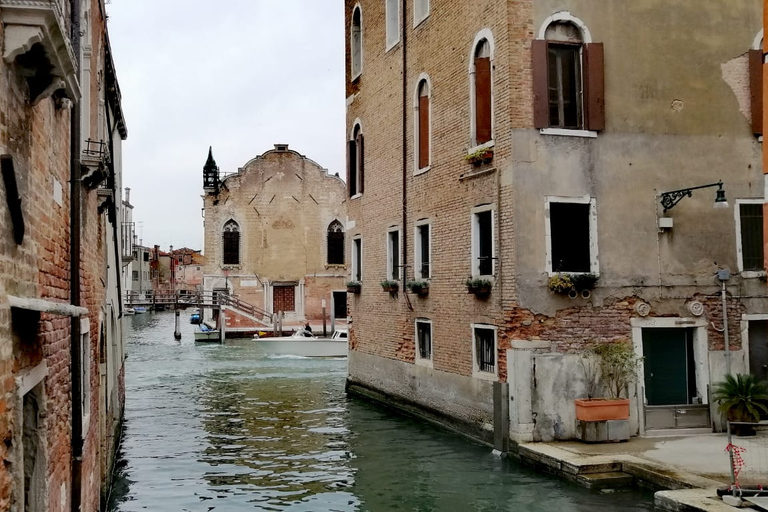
point(226, 428)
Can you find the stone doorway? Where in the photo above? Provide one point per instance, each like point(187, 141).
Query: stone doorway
point(284, 298)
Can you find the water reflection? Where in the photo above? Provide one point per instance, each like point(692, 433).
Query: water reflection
point(212, 427)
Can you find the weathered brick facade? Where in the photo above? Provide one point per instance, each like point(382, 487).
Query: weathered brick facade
point(283, 204)
point(661, 132)
point(38, 309)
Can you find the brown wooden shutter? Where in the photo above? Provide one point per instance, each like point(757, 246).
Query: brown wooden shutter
point(361, 163)
point(351, 163)
point(756, 90)
point(540, 83)
point(423, 131)
point(482, 100)
point(594, 86)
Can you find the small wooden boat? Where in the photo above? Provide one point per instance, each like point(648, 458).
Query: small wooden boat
point(195, 317)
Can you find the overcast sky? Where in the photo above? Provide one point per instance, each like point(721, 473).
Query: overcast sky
point(238, 75)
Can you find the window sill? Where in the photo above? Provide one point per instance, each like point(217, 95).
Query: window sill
point(355, 77)
point(551, 273)
point(751, 274)
point(391, 45)
point(477, 374)
point(417, 22)
point(422, 170)
point(485, 145)
point(588, 134)
point(357, 196)
point(427, 363)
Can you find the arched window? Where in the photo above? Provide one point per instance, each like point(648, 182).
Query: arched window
point(422, 125)
point(567, 76)
point(355, 162)
point(231, 243)
point(335, 243)
point(482, 93)
point(356, 42)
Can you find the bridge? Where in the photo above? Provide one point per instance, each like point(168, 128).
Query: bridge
point(166, 299)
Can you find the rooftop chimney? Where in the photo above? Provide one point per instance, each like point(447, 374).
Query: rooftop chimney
point(281, 147)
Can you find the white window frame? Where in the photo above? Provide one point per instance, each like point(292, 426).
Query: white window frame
point(416, 132)
point(475, 252)
point(352, 70)
point(476, 373)
point(417, 20)
point(417, 250)
point(422, 361)
point(357, 262)
point(390, 254)
point(357, 128)
point(739, 248)
point(391, 39)
point(594, 262)
point(85, 373)
point(474, 146)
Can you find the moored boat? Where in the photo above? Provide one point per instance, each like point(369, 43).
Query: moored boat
point(205, 333)
point(303, 343)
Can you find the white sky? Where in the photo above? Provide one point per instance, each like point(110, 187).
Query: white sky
point(238, 75)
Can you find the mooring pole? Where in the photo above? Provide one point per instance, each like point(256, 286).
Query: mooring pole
point(177, 332)
point(222, 325)
point(323, 304)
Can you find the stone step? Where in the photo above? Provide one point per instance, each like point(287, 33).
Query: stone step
point(611, 480)
point(677, 432)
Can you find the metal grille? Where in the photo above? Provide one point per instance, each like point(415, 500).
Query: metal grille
point(486, 350)
point(752, 236)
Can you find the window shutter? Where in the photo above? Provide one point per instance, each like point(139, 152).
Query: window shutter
point(540, 83)
point(351, 163)
point(594, 86)
point(756, 89)
point(361, 163)
point(423, 131)
point(482, 100)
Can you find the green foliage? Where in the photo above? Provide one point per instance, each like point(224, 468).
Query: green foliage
point(418, 287)
point(390, 286)
point(584, 281)
point(479, 155)
point(565, 283)
point(478, 283)
point(354, 284)
point(741, 398)
point(614, 365)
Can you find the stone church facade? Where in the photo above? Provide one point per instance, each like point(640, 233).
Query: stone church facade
point(274, 237)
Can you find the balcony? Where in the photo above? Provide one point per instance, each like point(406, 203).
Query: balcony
point(128, 233)
point(37, 40)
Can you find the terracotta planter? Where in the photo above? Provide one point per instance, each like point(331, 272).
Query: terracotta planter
point(602, 409)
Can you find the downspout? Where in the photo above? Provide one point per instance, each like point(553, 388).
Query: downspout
point(405, 157)
point(76, 439)
point(112, 216)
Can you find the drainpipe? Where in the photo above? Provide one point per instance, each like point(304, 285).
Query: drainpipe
point(404, 36)
point(76, 438)
point(112, 216)
point(723, 276)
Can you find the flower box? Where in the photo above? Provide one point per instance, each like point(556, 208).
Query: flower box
point(354, 287)
point(420, 288)
point(602, 409)
point(390, 286)
point(479, 287)
point(481, 156)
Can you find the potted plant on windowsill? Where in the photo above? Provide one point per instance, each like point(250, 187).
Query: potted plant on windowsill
point(480, 156)
point(741, 399)
point(573, 285)
point(420, 288)
point(478, 286)
point(610, 367)
point(390, 286)
point(354, 287)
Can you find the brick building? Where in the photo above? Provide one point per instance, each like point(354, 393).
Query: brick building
point(274, 237)
point(61, 340)
point(513, 144)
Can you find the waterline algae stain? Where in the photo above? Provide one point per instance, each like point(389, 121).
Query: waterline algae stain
point(228, 428)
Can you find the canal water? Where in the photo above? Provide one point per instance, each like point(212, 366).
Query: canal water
point(226, 428)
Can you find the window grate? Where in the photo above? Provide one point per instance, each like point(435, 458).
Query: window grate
point(485, 350)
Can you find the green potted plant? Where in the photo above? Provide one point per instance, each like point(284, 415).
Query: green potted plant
point(354, 287)
point(420, 288)
point(390, 286)
point(573, 285)
point(741, 399)
point(480, 156)
point(478, 286)
point(610, 367)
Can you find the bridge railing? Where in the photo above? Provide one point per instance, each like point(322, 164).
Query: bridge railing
point(210, 299)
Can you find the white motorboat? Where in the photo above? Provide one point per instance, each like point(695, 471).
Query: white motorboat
point(205, 333)
point(304, 343)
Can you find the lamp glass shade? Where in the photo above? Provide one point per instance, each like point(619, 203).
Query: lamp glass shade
point(720, 201)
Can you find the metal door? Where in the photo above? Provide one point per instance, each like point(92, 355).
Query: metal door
point(283, 298)
point(758, 348)
point(666, 366)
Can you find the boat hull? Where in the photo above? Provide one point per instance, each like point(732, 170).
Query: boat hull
point(304, 348)
point(207, 336)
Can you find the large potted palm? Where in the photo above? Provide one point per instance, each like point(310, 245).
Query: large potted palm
point(741, 399)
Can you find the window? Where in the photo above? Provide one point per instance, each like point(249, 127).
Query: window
point(572, 235)
point(393, 22)
point(423, 340)
point(85, 372)
point(146, 256)
point(335, 243)
point(393, 255)
point(357, 259)
point(750, 235)
point(355, 161)
point(756, 89)
point(483, 249)
point(482, 126)
point(568, 77)
point(422, 144)
point(484, 350)
point(356, 43)
point(135, 275)
point(423, 251)
point(231, 243)
point(420, 11)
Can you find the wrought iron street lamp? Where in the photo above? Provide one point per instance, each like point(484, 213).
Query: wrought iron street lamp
point(670, 199)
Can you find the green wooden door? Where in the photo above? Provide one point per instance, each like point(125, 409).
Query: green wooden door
point(666, 366)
